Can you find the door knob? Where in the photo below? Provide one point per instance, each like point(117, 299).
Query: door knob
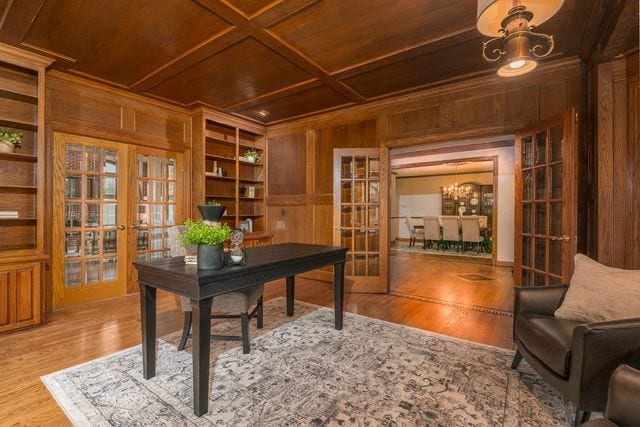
point(121, 227)
point(134, 226)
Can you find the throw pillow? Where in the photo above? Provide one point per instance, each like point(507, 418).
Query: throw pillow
point(598, 293)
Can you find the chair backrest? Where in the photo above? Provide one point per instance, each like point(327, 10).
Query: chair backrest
point(471, 229)
point(431, 228)
point(450, 228)
point(407, 221)
point(176, 247)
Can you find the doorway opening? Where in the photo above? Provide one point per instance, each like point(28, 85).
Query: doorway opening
point(452, 224)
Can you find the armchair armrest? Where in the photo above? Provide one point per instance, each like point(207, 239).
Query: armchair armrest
point(597, 350)
point(539, 300)
point(624, 395)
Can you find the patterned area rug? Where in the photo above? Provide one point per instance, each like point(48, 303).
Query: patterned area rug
point(306, 373)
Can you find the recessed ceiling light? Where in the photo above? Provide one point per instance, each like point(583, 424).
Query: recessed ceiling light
point(263, 113)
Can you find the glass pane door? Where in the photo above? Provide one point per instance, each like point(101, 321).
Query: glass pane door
point(545, 204)
point(89, 219)
point(357, 206)
point(156, 180)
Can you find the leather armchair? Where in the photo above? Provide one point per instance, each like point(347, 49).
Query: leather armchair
point(577, 358)
point(623, 401)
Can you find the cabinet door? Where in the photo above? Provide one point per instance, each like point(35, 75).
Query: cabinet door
point(20, 304)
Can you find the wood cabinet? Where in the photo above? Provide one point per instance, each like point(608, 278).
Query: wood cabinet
point(478, 201)
point(21, 189)
point(20, 295)
point(222, 171)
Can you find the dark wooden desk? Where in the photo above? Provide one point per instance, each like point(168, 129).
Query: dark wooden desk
point(200, 286)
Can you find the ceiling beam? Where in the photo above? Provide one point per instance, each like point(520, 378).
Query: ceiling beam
point(422, 48)
point(215, 44)
point(16, 21)
point(278, 45)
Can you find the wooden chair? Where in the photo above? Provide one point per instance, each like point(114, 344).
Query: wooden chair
point(413, 233)
point(233, 302)
point(450, 231)
point(432, 231)
point(471, 232)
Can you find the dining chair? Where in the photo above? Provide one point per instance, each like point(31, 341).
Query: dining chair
point(413, 233)
point(432, 232)
point(471, 232)
point(222, 305)
point(450, 231)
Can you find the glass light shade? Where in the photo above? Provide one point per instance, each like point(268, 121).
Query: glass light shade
point(492, 12)
point(513, 68)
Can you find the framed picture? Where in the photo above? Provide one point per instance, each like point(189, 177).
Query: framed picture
point(244, 226)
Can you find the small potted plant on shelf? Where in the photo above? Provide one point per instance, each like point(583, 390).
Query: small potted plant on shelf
point(9, 139)
point(252, 155)
point(212, 211)
point(209, 240)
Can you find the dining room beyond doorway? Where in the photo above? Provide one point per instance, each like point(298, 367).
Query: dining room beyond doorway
point(446, 208)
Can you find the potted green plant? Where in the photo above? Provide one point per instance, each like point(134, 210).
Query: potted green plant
point(212, 211)
point(252, 155)
point(9, 139)
point(209, 240)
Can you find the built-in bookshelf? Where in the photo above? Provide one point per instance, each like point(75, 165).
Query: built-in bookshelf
point(230, 178)
point(22, 254)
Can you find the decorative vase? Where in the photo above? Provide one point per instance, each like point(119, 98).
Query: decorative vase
point(212, 213)
point(7, 147)
point(251, 159)
point(210, 257)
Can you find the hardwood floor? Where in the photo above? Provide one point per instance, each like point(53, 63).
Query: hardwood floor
point(87, 332)
point(450, 281)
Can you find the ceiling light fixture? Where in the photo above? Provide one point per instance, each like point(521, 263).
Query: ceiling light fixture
point(512, 23)
point(455, 191)
point(263, 113)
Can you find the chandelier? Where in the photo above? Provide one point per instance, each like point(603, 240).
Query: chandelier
point(455, 191)
point(511, 25)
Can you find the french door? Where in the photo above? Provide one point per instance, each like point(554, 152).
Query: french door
point(546, 202)
point(90, 209)
point(358, 213)
point(155, 207)
point(113, 204)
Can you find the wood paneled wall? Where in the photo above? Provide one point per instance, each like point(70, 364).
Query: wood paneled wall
point(81, 107)
point(300, 184)
point(78, 106)
point(301, 152)
point(618, 157)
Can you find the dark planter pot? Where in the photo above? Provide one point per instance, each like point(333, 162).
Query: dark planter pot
point(210, 257)
point(212, 212)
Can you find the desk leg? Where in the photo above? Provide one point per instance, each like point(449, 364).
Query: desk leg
point(148, 322)
point(291, 280)
point(338, 293)
point(200, 341)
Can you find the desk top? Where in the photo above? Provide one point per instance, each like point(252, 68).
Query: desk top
point(263, 264)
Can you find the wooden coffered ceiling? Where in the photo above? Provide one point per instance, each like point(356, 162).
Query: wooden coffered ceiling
point(288, 58)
